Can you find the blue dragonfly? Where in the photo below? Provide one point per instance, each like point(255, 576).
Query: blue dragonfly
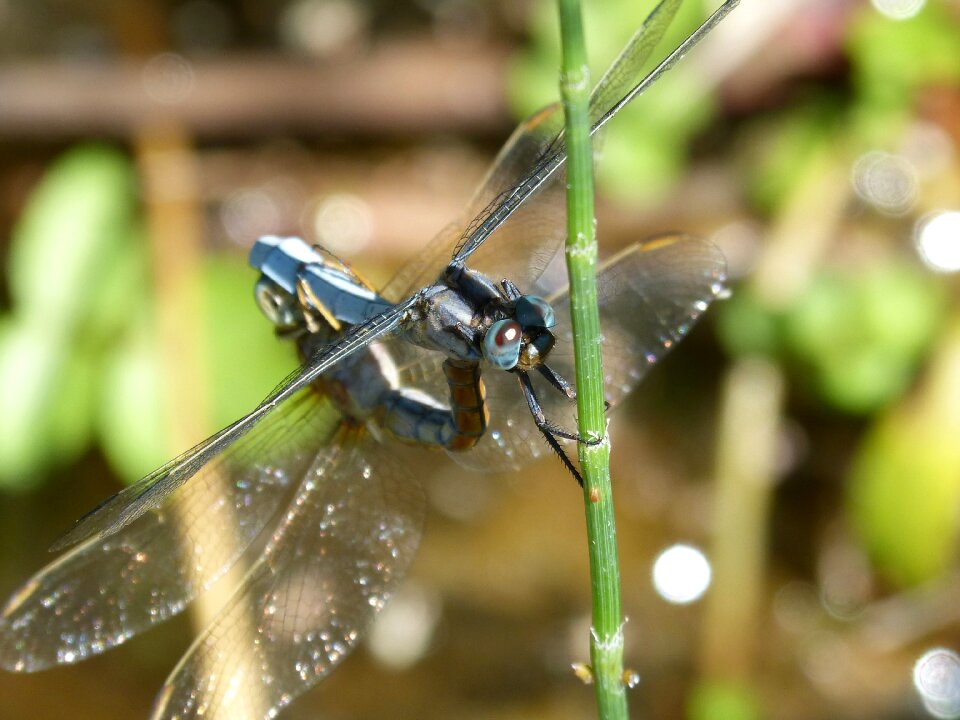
point(451, 355)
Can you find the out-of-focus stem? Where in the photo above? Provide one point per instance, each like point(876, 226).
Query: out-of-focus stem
point(804, 229)
point(750, 421)
point(171, 191)
point(747, 451)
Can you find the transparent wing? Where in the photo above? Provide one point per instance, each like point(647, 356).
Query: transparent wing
point(526, 179)
point(619, 86)
point(342, 548)
point(620, 78)
point(150, 492)
point(104, 591)
point(522, 236)
point(650, 295)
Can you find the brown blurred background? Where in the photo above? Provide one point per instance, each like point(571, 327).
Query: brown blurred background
point(803, 439)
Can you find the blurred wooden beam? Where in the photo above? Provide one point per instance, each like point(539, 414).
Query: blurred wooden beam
point(406, 87)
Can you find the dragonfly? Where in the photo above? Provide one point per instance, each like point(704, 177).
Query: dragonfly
point(455, 353)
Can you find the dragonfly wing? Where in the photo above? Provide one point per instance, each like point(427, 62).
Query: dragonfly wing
point(618, 87)
point(338, 555)
point(106, 590)
point(153, 490)
point(650, 295)
point(623, 73)
point(426, 266)
point(622, 82)
point(499, 241)
point(522, 151)
point(129, 534)
point(531, 242)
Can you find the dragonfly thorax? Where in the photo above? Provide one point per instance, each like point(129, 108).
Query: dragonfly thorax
point(468, 317)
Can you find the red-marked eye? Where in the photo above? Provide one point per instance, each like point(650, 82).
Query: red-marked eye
point(501, 346)
point(508, 334)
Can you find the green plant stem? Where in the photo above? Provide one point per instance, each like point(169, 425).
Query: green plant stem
point(606, 637)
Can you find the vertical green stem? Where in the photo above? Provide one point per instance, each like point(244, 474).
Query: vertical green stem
point(606, 638)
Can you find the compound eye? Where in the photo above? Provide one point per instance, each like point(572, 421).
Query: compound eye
point(533, 311)
point(278, 305)
point(501, 346)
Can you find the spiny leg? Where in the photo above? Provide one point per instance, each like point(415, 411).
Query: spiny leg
point(466, 334)
point(562, 384)
point(547, 429)
point(541, 420)
point(510, 290)
point(552, 442)
point(558, 381)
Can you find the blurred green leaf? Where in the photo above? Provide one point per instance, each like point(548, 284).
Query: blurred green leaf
point(862, 332)
point(133, 426)
point(120, 295)
point(892, 59)
point(904, 495)
point(72, 249)
point(64, 244)
point(47, 406)
point(246, 359)
point(718, 700)
point(781, 147)
point(645, 152)
point(746, 327)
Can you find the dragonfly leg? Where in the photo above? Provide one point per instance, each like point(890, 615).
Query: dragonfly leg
point(541, 420)
point(548, 429)
point(564, 458)
point(464, 332)
point(558, 381)
point(511, 291)
point(564, 385)
point(313, 308)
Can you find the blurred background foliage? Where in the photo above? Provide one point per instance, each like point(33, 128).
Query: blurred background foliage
point(805, 437)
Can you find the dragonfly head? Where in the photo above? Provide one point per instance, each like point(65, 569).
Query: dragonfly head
point(521, 339)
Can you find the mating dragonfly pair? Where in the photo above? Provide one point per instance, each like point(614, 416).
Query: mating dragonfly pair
point(347, 512)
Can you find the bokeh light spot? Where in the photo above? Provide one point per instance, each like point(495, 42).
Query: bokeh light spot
point(402, 632)
point(343, 223)
point(898, 9)
point(936, 677)
point(168, 78)
point(681, 574)
point(322, 27)
point(937, 239)
point(249, 213)
point(886, 181)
